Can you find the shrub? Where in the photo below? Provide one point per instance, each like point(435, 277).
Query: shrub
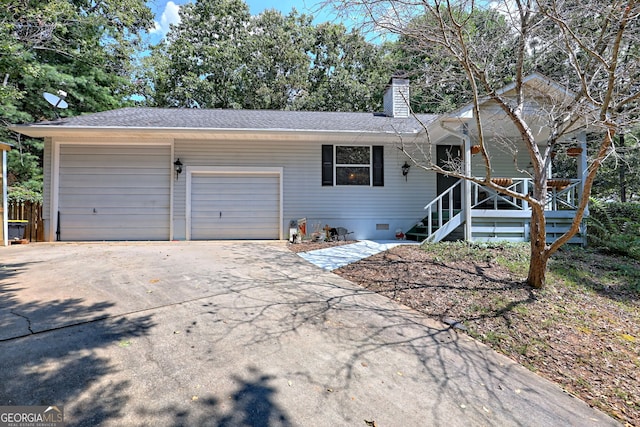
point(615, 228)
point(21, 194)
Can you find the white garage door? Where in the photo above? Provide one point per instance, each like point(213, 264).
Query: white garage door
point(114, 192)
point(235, 206)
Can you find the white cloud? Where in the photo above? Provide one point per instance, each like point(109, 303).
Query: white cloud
point(169, 16)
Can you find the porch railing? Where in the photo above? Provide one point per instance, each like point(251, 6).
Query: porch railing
point(562, 194)
point(441, 210)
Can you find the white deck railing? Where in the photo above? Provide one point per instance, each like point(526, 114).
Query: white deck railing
point(496, 216)
point(444, 203)
point(562, 194)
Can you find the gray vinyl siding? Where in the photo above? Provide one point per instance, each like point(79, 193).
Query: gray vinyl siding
point(398, 204)
point(114, 192)
point(502, 162)
point(132, 185)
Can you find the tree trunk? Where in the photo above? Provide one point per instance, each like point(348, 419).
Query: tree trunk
point(539, 250)
point(537, 267)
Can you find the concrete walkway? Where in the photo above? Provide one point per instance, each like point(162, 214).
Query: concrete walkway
point(243, 334)
point(332, 258)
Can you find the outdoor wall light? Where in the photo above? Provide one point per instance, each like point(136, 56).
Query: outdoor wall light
point(405, 170)
point(178, 166)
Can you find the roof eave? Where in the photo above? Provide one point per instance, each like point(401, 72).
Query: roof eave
point(42, 131)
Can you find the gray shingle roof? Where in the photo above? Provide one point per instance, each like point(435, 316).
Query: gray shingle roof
point(177, 118)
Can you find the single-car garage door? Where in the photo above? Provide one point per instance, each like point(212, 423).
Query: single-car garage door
point(235, 206)
point(118, 192)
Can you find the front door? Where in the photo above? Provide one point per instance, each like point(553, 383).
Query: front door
point(446, 154)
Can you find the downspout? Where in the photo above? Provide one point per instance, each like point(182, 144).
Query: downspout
point(466, 185)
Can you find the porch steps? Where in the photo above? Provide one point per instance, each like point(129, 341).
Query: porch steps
point(420, 231)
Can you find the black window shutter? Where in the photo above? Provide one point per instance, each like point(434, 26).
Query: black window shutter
point(378, 165)
point(327, 165)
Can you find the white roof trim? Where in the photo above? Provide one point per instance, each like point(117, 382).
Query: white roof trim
point(39, 131)
point(466, 112)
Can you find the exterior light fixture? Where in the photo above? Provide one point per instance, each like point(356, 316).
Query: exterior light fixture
point(405, 170)
point(178, 167)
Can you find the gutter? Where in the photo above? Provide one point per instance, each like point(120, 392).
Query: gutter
point(40, 131)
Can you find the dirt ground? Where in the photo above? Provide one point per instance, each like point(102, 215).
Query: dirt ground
point(585, 338)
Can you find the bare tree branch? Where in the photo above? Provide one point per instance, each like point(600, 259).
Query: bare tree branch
point(590, 49)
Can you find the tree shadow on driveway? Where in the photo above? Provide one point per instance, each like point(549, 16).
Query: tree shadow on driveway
point(251, 404)
point(50, 351)
point(338, 354)
point(255, 336)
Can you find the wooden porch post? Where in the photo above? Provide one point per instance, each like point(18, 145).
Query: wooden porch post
point(466, 185)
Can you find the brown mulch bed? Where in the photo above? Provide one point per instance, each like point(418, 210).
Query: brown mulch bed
point(581, 331)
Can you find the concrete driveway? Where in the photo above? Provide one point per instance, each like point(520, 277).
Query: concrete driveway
point(242, 334)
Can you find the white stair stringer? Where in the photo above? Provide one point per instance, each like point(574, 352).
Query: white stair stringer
point(446, 229)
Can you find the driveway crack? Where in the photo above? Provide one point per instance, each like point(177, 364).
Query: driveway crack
point(25, 318)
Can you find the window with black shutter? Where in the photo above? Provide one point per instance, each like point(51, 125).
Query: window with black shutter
point(378, 166)
point(353, 165)
point(327, 165)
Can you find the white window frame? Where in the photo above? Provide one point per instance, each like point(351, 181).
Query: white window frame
point(343, 165)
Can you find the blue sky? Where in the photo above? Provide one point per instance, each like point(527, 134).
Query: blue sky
point(166, 11)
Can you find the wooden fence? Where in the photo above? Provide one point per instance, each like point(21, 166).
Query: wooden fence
point(32, 212)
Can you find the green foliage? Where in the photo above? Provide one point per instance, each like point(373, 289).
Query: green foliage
point(203, 61)
point(615, 228)
point(439, 82)
point(24, 164)
point(21, 194)
point(85, 48)
point(621, 169)
point(277, 65)
point(619, 172)
point(220, 56)
point(347, 73)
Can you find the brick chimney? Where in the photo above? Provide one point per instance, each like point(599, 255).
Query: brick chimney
point(396, 98)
